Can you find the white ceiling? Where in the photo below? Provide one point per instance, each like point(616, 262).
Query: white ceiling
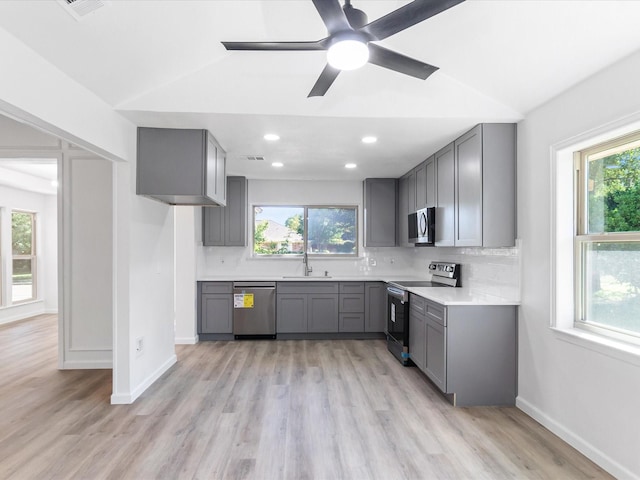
point(160, 63)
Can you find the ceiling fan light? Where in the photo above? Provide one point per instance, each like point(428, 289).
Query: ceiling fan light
point(348, 54)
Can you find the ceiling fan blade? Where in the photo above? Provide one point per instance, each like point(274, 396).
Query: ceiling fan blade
point(332, 15)
point(407, 16)
point(395, 61)
point(325, 80)
point(275, 46)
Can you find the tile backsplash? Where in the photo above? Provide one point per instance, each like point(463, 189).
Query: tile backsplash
point(492, 271)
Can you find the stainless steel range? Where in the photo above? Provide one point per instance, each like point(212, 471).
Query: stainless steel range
point(443, 274)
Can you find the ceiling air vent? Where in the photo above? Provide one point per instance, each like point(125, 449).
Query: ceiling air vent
point(79, 9)
point(259, 158)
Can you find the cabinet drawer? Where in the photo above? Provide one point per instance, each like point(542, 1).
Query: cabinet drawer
point(308, 287)
point(437, 313)
point(217, 287)
point(352, 303)
point(352, 322)
point(351, 287)
point(417, 303)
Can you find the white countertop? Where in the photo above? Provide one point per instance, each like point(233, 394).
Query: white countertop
point(460, 296)
point(441, 295)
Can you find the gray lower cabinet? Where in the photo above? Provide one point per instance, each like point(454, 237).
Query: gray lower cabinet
point(215, 308)
point(375, 307)
point(417, 332)
point(322, 313)
point(307, 307)
point(380, 211)
point(227, 226)
point(291, 313)
point(467, 351)
point(352, 306)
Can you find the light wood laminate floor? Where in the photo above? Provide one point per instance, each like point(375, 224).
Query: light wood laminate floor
point(261, 410)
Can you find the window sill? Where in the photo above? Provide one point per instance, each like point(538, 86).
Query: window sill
point(612, 348)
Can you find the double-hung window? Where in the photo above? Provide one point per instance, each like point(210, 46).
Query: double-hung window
point(23, 246)
point(607, 241)
point(315, 230)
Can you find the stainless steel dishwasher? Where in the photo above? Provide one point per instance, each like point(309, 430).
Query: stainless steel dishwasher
point(254, 310)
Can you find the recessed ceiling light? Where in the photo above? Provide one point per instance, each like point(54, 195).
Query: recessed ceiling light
point(54, 183)
point(271, 137)
point(350, 165)
point(369, 139)
point(277, 164)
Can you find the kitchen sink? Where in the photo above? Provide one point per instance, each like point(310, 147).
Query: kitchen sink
point(300, 277)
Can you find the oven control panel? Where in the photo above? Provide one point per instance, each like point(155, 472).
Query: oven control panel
point(445, 269)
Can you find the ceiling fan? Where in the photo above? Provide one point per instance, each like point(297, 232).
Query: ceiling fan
point(349, 42)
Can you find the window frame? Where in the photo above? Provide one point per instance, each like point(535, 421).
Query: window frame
point(582, 237)
point(32, 257)
point(305, 236)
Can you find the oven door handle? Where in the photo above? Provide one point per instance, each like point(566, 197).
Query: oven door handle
point(397, 293)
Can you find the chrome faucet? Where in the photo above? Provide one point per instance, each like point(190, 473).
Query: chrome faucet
point(307, 268)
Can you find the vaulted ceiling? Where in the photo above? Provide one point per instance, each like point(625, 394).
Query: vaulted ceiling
point(161, 63)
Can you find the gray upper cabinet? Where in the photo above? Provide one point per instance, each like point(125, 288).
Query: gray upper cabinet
point(485, 188)
point(227, 226)
point(421, 185)
point(180, 166)
point(445, 184)
point(404, 209)
point(380, 210)
point(476, 188)
point(425, 178)
point(431, 181)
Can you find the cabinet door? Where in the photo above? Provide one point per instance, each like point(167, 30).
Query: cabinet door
point(352, 322)
point(403, 211)
point(291, 313)
point(430, 181)
point(352, 303)
point(445, 208)
point(380, 211)
point(436, 358)
point(411, 192)
point(216, 313)
point(235, 213)
point(421, 185)
point(468, 190)
point(322, 313)
point(418, 339)
point(216, 181)
point(375, 307)
point(213, 226)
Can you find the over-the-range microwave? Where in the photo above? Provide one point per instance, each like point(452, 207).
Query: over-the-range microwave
point(422, 226)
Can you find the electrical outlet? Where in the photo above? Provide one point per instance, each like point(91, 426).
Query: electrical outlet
point(139, 346)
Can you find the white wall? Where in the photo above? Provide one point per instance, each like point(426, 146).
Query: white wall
point(46, 243)
point(589, 398)
point(34, 91)
point(86, 277)
point(185, 273)
point(492, 271)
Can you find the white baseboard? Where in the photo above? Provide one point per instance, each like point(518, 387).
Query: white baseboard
point(187, 340)
point(125, 399)
point(22, 311)
point(86, 365)
point(580, 444)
